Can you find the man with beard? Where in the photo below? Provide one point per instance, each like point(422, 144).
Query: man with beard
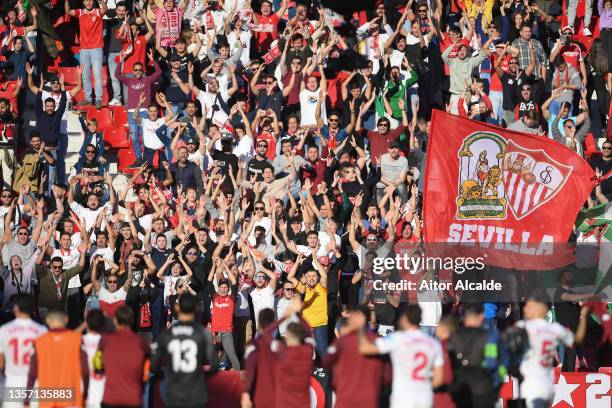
point(314, 170)
point(186, 174)
point(92, 208)
point(53, 281)
point(381, 139)
point(112, 296)
point(259, 163)
point(604, 164)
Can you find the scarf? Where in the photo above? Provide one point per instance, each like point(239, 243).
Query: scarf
point(170, 26)
point(17, 284)
point(58, 286)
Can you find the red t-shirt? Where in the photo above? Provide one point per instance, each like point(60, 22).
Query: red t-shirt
point(90, 27)
point(7, 90)
point(138, 54)
point(265, 38)
point(222, 314)
point(334, 89)
point(496, 84)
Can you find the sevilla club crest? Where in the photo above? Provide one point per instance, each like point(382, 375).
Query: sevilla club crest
point(498, 176)
point(531, 178)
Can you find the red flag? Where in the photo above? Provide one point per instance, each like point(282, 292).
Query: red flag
point(510, 195)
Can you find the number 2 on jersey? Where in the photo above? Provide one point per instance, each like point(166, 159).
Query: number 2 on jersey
point(24, 350)
point(184, 355)
point(421, 360)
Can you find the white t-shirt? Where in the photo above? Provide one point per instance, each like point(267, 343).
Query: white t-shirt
point(71, 259)
point(89, 215)
point(245, 37)
point(207, 100)
point(96, 381)
point(536, 367)
point(308, 107)
point(17, 344)
point(112, 297)
point(262, 299)
point(245, 147)
point(414, 354)
point(282, 305)
point(149, 138)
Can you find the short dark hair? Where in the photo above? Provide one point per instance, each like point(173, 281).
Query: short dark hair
point(25, 303)
point(49, 99)
point(413, 314)
point(124, 316)
point(57, 259)
point(95, 320)
point(473, 309)
point(266, 317)
point(187, 303)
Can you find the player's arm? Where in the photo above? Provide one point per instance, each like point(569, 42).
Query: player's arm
point(211, 354)
point(438, 377)
point(366, 346)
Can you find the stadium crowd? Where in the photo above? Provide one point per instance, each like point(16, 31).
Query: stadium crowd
point(276, 149)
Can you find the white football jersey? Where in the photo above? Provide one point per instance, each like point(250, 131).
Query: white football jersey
point(536, 367)
point(96, 381)
point(17, 344)
point(414, 355)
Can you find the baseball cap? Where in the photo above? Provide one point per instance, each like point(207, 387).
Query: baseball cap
point(190, 140)
point(174, 57)
point(568, 28)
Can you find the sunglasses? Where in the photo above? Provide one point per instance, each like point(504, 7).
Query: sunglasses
point(6, 196)
point(90, 151)
point(269, 82)
point(383, 125)
point(333, 120)
point(137, 69)
point(23, 233)
point(56, 267)
point(606, 148)
point(259, 208)
point(423, 11)
point(111, 281)
point(262, 145)
point(289, 289)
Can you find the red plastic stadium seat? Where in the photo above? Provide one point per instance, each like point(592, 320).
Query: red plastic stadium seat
point(125, 158)
point(120, 116)
point(71, 75)
point(117, 137)
point(103, 116)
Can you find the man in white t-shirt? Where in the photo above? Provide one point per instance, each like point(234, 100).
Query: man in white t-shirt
point(150, 140)
point(90, 212)
point(416, 357)
point(538, 386)
point(91, 340)
point(393, 171)
point(262, 295)
point(311, 92)
point(17, 344)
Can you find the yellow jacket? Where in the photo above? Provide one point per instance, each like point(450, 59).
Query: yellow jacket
point(480, 6)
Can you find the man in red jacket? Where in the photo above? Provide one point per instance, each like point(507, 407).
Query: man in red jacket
point(357, 378)
point(124, 358)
